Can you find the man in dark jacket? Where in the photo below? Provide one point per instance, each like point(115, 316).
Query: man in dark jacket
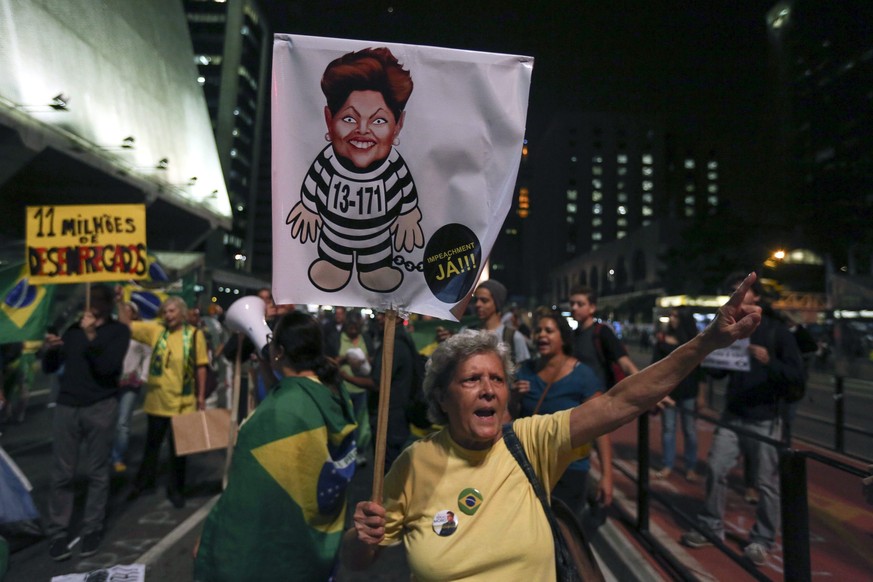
point(752, 403)
point(92, 353)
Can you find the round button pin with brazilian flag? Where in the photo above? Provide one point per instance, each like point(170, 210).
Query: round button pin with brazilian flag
point(469, 501)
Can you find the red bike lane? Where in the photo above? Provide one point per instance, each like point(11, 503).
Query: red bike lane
point(840, 521)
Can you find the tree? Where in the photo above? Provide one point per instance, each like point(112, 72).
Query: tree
point(709, 248)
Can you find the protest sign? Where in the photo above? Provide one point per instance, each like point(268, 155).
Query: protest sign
point(394, 168)
point(87, 243)
point(735, 357)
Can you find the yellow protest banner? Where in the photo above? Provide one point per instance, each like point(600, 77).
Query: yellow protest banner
point(86, 243)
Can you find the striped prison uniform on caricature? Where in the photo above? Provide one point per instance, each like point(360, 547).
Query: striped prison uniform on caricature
point(357, 208)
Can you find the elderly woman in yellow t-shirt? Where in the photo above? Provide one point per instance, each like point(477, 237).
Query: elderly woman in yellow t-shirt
point(176, 385)
point(450, 496)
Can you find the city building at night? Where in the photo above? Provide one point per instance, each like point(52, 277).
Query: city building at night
point(596, 202)
point(101, 105)
point(823, 53)
point(232, 48)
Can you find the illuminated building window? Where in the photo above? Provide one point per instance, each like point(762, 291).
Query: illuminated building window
point(596, 196)
point(573, 159)
point(647, 211)
point(523, 203)
point(597, 170)
point(647, 159)
point(572, 194)
point(597, 209)
point(622, 170)
point(712, 188)
point(689, 164)
point(689, 211)
point(713, 200)
point(597, 183)
point(571, 207)
point(648, 185)
point(648, 170)
point(621, 158)
point(621, 234)
point(622, 196)
point(511, 231)
point(646, 222)
point(620, 185)
point(689, 200)
point(596, 222)
point(596, 235)
point(622, 210)
point(689, 187)
point(621, 222)
point(571, 219)
point(597, 159)
point(648, 198)
point(712, 165)
point(712, 175)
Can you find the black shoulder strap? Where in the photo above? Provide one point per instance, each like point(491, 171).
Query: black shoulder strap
point(562, 557)
point(598, 344)
point(514, 446)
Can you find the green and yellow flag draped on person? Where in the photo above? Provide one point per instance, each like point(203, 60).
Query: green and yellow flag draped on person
point(253, 535)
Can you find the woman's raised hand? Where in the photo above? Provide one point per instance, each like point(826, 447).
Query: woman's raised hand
point(734, 320)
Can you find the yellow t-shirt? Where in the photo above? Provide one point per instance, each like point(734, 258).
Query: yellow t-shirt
point(500, 531)
point(345, 345)
point(164, 392)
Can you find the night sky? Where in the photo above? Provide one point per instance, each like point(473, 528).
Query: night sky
point(701, 65)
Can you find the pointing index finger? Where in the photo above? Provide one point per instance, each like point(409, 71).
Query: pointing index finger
point(740, 292)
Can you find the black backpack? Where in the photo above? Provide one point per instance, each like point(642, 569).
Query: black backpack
point(790, 392)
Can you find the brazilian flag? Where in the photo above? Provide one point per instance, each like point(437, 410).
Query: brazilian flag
point(25, 307)
point(282, 515)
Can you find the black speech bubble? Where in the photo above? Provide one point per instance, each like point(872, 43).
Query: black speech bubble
point(452, 259)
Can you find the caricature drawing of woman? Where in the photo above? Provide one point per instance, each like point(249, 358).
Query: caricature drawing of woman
point(359, 191)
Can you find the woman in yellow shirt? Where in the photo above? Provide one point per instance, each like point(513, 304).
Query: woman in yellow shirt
point(448, 497)
point(176, 385)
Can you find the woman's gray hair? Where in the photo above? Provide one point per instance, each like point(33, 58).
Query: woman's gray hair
point(446, 359)
point(178, 302)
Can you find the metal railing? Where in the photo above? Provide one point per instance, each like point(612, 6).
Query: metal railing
point(794, 507)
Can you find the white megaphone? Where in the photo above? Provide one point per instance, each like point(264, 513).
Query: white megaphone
point(246, 315)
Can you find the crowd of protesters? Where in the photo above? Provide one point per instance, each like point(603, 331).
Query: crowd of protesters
point(161, 364)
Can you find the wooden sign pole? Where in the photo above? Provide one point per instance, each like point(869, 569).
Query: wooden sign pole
point(234, 408)
point(384, 397)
